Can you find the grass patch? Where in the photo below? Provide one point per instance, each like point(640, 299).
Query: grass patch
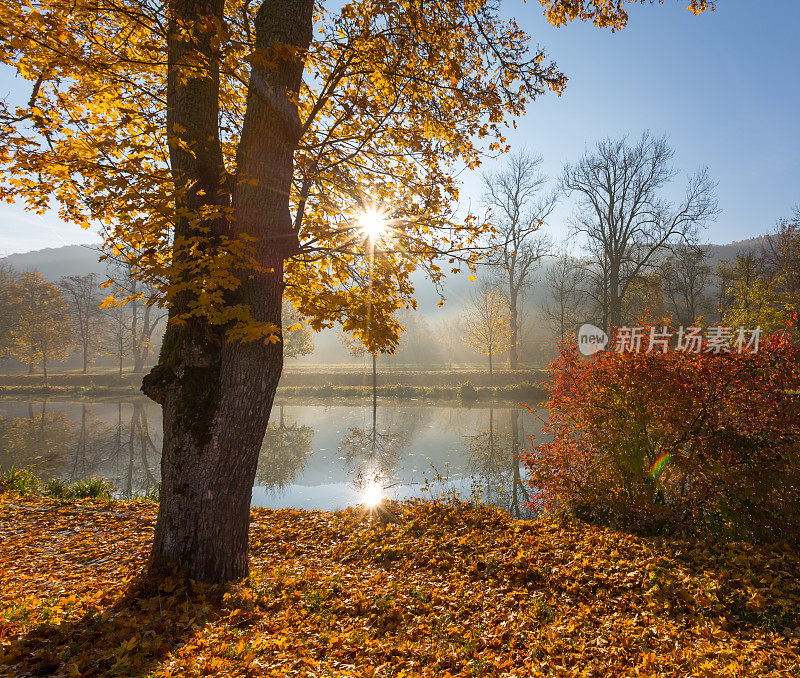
point(27, 484)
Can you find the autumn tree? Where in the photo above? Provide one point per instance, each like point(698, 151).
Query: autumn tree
point(43, 331)
point(754, 295)
point(297, 339)
point(644, 298)
point(658, 440)
point(487, 325)
point(230, 147)
point(518, 205)
point(82, 293)
point(624, 217)
point(781, 260)
point(8, 308)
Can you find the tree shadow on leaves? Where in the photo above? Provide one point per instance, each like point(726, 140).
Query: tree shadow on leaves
point(146, 623)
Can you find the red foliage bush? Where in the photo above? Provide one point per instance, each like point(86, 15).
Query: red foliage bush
point(656, 441)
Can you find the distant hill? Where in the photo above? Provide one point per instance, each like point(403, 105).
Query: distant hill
point(55, 262)
point(720, 253)
point(457, 291)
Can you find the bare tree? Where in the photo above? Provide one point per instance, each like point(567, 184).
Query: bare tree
point(685, 276)
point(117, 337)
point(143, 315)
point(565, 305)
point(83, 296)
point(623, 216)
point(518, 206)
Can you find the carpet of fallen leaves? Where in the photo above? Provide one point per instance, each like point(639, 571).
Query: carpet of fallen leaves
point(445, 590)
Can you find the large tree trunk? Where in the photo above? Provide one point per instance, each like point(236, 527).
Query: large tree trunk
point(216, 395)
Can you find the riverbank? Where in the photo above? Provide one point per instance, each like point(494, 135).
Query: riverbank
point(444, 590)
point(466, 391)
point(294, 376)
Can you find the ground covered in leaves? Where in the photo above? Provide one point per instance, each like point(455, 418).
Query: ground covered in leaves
point(443, 591)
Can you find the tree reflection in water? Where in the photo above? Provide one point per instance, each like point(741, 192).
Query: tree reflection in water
point(389, 453)
point(55, 446)
point(495, 465)
point(372, 454)
point(40, 441)
point(283, 453)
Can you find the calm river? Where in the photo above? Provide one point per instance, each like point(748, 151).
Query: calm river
point(313, 456)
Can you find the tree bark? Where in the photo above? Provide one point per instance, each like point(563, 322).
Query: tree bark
point(216, 395)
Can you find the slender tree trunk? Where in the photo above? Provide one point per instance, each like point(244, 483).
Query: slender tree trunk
point(614, 301)
point(374, 383)
point(216, 395)
point(512, 349)
point(135, 338)
point(85, 357)
point(44, 367)
point(142, 341)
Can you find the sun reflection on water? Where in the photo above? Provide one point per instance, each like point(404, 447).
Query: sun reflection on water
point(372, 494)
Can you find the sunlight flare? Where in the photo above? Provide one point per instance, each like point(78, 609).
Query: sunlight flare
point(373, 224)
point(372, 494)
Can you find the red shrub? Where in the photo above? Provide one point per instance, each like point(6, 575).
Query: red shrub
point(662, 440)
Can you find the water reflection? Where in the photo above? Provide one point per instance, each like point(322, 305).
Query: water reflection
point(495, 462)
point(284, 453)
point(319, 457)
point(372, 453)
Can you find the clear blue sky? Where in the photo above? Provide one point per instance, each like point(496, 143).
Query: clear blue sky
point(724, 87)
